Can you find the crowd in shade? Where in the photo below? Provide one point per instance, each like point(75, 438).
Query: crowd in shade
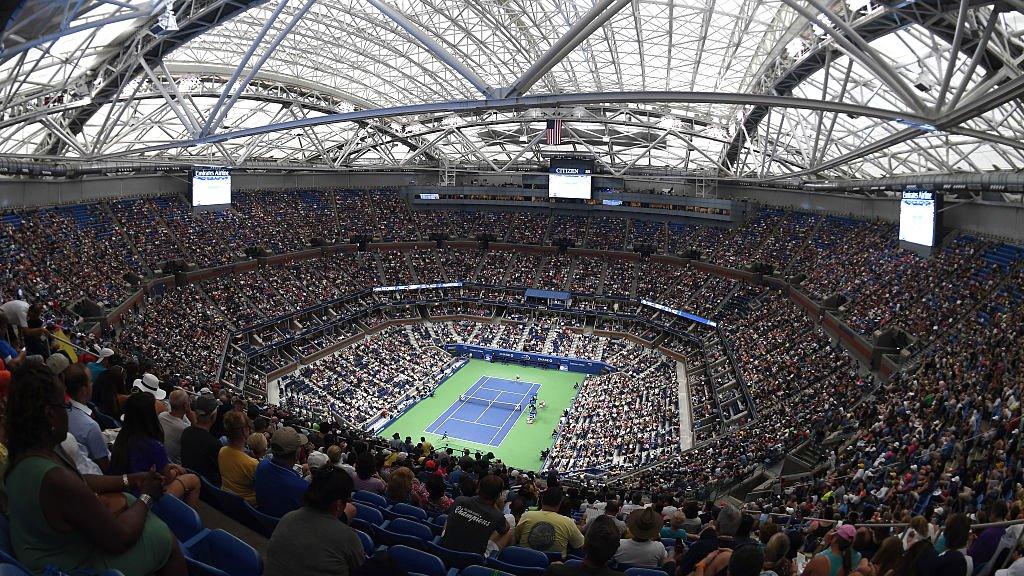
point(134, 414)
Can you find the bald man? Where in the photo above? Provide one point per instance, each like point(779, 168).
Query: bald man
point(175, 422)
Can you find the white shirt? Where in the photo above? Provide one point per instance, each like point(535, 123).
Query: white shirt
point(16, 312)
point(649, 553)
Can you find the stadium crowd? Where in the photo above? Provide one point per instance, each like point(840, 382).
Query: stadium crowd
point(940, 441)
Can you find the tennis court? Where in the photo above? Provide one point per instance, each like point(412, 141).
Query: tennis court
point(496, 429)
point(486, 413)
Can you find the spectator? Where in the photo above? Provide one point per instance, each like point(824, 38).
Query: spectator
point(885, 559)
point(175, 421)
point(719, 535)
point(257, 445)
point(776, 556)
point(58, 362)
point(80, 420)
point(611, 510)
point(237, 469)
point(675, 527)
point(58, 517)
point(400, 487)
point(601, 544)
point(547, 530)
point(279, 488)
point(110, 392)
point(366, 477)
point(955, 561)
point(838, 558)
point(310, 539)
point(984, 547)
point(438, 502)
point(199, 447)
point(642, 548)
point(746, 560)
point(101, 363)
point(692, 525)
point(139, 448)
point(473, 521)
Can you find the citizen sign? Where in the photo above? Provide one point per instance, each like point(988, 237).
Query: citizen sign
point(567, 170)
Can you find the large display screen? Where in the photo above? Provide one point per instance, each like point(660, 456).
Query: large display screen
point(211, 187)
point(570, 178)
point(917, 217)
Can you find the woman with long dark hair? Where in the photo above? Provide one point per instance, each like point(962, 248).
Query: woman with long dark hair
point(57, 515)
point(139, 447)
point(839, 558)
point(110, 391)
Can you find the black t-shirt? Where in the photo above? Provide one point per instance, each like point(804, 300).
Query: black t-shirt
point(470, 525)
point(199, 450)
point(35, 344)
point(952, 563)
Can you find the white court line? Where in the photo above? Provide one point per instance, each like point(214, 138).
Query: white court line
point(505, 423)
point(471, 422)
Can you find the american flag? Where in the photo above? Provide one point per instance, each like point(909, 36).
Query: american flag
point(554, 132)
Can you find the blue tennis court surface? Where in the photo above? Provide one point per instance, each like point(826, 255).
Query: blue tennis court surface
point(485, 423)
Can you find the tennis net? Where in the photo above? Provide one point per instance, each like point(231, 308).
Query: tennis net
point(491, 403)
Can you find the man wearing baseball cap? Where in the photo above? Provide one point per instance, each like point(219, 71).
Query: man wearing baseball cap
point(279, 488)
point(199, 447)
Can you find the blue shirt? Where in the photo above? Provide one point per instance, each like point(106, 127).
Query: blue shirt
point(279, 490)
point(95, 369)
point(87, 431)
point(7, 351)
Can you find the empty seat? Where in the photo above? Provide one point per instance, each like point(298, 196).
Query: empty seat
point(481, 571)
point(417, 561)
point(226, 553)
point(367, 542)
point(403, 531)
point(183, 521)
point(520, 561)
point(370, 498)
point(267, 522)
point(409, 511)
point(454, 558)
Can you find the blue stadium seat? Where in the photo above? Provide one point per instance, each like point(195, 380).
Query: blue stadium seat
point(406, 532)
point(418, 561)
point(208, 492)
point(454, 558)
point(236, 508)
point(574, 562)
point(482, 571)
point(644, 572)
point(520, 561)
point(267, 522)
point(13, 570)
point(524, 557)
point(368, 546)
point(183, 521)
point(222, 551)
point(370, 498)
point(409, 511)
point(368, 514)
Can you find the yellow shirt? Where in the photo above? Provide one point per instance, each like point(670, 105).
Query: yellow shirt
point(566, 533)
point(427, 447)
point(237, 472)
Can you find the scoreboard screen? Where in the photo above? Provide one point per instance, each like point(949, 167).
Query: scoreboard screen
point(211, 187)
point(570, 178)
point(917, 217)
